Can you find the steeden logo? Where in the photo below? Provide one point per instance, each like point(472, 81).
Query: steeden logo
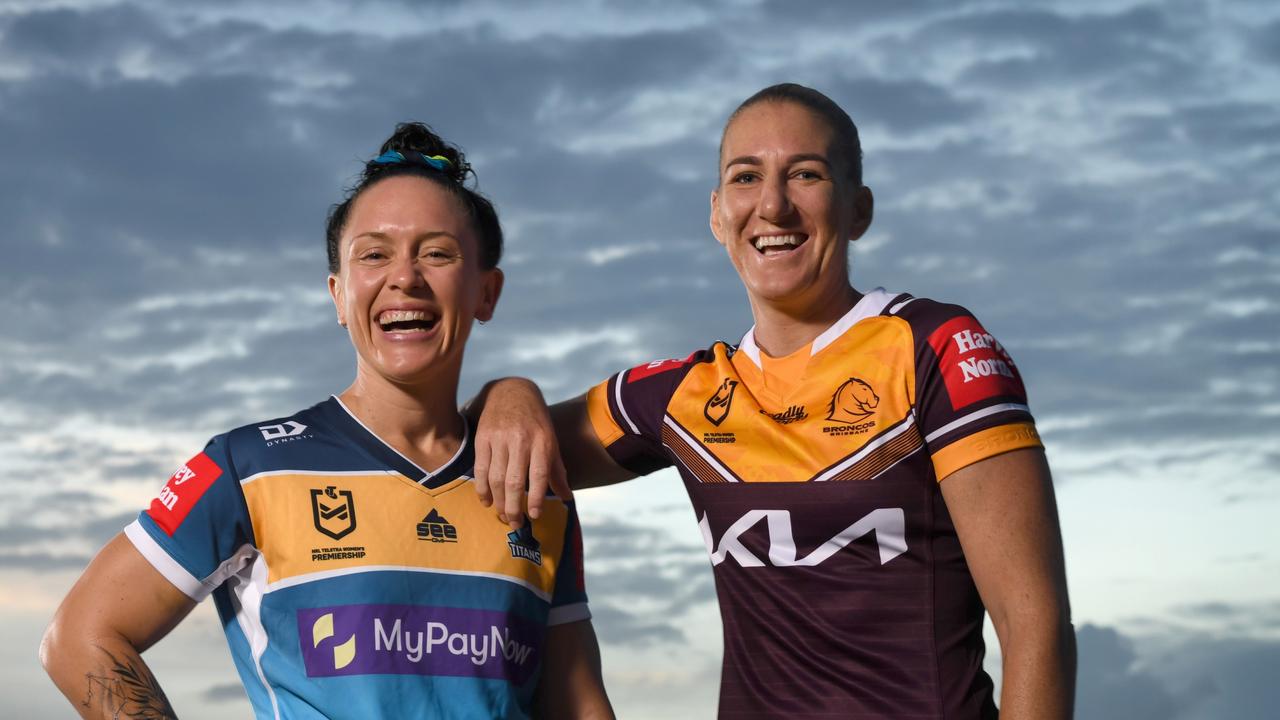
point(717, 407)
point(333, 511)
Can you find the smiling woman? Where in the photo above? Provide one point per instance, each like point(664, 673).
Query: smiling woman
point(354, 570)
point(863, 467)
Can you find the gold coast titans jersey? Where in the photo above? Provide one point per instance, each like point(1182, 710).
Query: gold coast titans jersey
point(814, 478)
point(353, 584)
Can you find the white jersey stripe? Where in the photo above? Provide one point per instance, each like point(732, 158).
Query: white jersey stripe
point(164, 563)
point(322, 473)
point(617, 396)
point(246, 601)
point(326, 574)
point(906, 424)
point(698, 448)
point(971, 417)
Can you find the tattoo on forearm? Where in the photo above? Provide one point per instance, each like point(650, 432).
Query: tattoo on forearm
point(127, 689)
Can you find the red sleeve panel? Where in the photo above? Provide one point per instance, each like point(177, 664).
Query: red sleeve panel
point(970, 400)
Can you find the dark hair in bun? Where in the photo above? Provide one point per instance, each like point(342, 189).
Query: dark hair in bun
point(414, 149)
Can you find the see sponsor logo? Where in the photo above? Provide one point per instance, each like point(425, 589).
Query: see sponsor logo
point(179, 495)
point(417, 640)
point(435, 528)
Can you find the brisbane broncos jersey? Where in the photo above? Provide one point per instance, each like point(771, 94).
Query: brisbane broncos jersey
point(814, 478)
point(353, 584)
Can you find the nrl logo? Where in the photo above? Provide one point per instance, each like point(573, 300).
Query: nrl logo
point(717, 407)
point(333, 511)
point(852, 402)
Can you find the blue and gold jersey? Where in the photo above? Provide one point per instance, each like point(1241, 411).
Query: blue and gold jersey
point(352, 583)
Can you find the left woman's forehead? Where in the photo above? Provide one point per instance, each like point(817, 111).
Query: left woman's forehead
point(407, 205)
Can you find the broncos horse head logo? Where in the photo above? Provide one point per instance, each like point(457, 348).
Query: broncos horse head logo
point(852, 402)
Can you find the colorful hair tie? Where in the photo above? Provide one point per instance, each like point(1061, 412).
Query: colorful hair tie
point(393, 157)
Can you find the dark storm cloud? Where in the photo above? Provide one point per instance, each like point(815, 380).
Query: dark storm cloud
point(1108, 684)
point(1213, 662)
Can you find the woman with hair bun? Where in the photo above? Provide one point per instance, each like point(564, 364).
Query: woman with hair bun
point(355, 573)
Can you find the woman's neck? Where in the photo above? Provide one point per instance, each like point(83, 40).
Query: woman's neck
point(781, 330)
point(420, 421)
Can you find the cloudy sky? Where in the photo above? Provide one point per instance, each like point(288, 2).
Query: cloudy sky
point(1098, 181)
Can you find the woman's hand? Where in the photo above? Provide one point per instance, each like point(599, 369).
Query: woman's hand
point(515, 448)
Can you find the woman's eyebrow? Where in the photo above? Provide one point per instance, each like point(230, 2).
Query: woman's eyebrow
point(801, 157)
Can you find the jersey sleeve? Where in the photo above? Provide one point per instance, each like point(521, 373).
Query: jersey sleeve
point(569, 598)
point(197, 531)
point(627, 412)
point(970, 400)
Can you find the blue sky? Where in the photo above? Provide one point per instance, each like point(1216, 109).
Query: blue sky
point(1098, 181)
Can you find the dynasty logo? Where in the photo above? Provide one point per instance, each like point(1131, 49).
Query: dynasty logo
point(333, 511)
point(852, 402)
point(436, 529)
point(524, 545)
point(287, 431)
point(717, 407)
point(795, 413)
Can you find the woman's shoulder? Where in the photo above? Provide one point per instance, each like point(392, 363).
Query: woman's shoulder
point(249, 444)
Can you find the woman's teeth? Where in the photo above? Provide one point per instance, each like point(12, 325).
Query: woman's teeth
point(778, 242)
point(406, 320)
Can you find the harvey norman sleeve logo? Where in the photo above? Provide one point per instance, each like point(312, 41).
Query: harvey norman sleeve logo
point(179, 495)
point(416, 640)
point(974, 365)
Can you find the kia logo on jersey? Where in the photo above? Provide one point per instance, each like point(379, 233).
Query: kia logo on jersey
point(334, 511)
point(717, 407)
point(888, 525)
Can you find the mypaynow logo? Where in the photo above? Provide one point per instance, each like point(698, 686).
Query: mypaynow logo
point(417, 640)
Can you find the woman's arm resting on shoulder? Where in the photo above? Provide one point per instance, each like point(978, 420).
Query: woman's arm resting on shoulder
point(119, 607)
point(571, 684)
point(1005, 515)
point(519, 441)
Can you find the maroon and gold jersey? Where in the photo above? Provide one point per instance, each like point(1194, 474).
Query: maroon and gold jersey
point(814, 478)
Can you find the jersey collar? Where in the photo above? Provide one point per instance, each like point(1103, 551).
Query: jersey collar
point(871, 305)
point(349, 425)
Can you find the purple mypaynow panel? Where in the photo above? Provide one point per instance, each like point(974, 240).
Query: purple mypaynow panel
point(418, 640)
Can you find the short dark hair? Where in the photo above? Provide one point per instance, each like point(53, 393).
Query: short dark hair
point(415, 139)
point(846, 140)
